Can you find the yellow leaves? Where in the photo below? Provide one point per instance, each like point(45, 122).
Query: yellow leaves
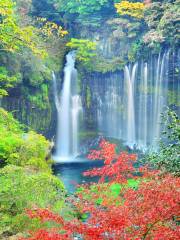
point(50, 29)
point(135, 10)
point(13, 36)
point(6, 7)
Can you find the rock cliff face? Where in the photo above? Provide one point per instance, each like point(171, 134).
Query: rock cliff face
point(43, 120)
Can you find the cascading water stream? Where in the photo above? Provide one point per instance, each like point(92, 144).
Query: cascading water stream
point(161, 91)
point(76, 109)
point(68, 107)
point(130, 80)
point(145, 137)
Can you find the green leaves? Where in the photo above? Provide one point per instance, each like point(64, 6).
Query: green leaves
point(163, 22)
point(83, 7)
point(26, 180)
point(13, 36)
point(21, 189)
point(168, 156)
point(20, 148)
point(85, 49)
point(7, 81)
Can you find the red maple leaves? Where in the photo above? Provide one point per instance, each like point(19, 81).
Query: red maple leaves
point(117, 167)
point(148, 212)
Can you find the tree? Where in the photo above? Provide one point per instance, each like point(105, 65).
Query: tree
point(135, 10)
point(83, 7)
point(13, 36)
point(162, 20)
point(21, 34)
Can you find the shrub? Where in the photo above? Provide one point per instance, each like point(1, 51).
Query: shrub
point(31, 150)
point(21, 189)
point(22, 148)
point(168, 157)
point(84, 49)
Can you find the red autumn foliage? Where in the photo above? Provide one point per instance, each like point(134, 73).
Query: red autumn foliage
point(148, 212)
point(43, 234)
point(117, 167)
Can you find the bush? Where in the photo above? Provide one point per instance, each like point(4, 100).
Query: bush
point(22, 148)
point(85, 49)
point(168, 157)
point(31, 150)
point(21, 189)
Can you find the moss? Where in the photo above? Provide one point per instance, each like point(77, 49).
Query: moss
point(86, 135)
point(88, 97)
point(173, 98)
point(79, 82)
point(103, 65)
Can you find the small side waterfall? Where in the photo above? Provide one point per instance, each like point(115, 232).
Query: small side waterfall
point(161, 92)
point(76, 109)
point(130, 80)
point(68, 106)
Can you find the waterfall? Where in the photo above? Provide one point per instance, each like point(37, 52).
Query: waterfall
point(125, 105)
point(145, 104)
point(68, 106)
point(160, 96)
point(76, 109)
point(130, 80)
point(128, 106)
point(142, 137)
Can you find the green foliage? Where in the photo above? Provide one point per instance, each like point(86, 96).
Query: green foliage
point(167, 158)
point(134, 51)
point(83, 7)
point(163, 22)
point(108, 65)
point(116, 188)
point(21, 189)
point(113, 190)
point(33, 44)
point(31, 150)
point(20, 148)
point(173, 98)
point(127, 31)
point(85, 49)
point(15, 36)
point(88, 13)
point(7, 81)
point(41, 99)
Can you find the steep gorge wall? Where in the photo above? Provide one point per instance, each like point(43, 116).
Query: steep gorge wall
point(40, 119)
